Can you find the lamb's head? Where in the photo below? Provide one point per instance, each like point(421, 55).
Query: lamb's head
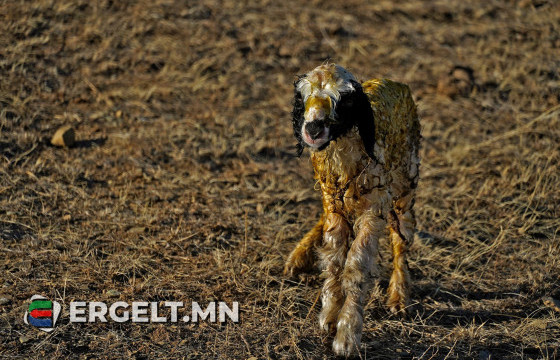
point(328, 102)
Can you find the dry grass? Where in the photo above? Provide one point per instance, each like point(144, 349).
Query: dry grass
point(183, 184)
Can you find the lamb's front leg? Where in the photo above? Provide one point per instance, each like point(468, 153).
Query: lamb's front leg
point(360, 267)
point(333, 255)
point(302, 257)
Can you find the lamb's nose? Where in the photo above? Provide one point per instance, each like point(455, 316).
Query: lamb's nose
point(315, 129)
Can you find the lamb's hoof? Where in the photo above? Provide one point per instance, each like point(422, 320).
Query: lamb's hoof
point(327, 322)
point(346, 343)
point(299, 261)
point(291, 270)
point(398, 309)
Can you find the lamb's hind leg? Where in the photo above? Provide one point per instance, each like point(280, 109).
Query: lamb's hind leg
point(360, 267)
point(333, 254)
point(401, 234)
point(302, 257)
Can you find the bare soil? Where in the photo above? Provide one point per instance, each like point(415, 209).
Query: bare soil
point(183, 185)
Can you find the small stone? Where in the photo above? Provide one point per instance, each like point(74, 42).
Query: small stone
point(118, 114)
point(113, 293)
point(96, 115)
point(67, 217)
point(285, 51)
point(458, 82)
point(31, 175)
point(25, 338)
point(484, 355)
point(4, 300)
point(552, 303)
point(64, 136)
point(137, 230)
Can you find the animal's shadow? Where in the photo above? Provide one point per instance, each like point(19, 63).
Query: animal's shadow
point(90, 143)
point(436, 305)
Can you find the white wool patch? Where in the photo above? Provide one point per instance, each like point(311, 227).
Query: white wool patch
point(326, 81)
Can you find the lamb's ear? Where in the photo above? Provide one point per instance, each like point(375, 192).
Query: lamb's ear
point(297, 120)
point(364, 119)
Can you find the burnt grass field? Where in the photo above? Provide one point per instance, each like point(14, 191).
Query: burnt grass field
point(183, 183)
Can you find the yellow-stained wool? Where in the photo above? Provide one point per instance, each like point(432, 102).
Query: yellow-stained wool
point(364, 198)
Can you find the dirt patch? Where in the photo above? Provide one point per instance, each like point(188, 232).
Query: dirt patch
point(183, 185)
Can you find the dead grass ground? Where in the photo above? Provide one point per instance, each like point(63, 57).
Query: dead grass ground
point(183, 184)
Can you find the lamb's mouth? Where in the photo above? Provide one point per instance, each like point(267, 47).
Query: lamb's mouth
point(317, 137)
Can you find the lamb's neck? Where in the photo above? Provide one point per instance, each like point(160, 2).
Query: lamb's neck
point(341, 161)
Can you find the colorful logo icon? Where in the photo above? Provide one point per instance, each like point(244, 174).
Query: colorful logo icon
point(42, 313)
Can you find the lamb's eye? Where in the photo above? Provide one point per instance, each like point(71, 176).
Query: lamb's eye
point(346, 101)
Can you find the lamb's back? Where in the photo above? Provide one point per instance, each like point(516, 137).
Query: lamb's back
point(397, 128)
